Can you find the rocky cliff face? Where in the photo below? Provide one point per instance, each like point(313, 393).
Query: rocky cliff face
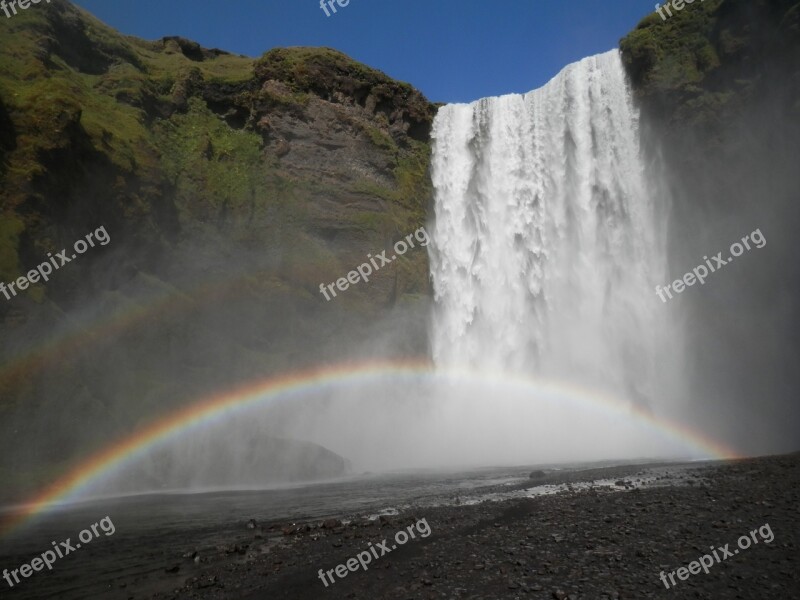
point(230, 188)
point(700, 71)
point(719, 85)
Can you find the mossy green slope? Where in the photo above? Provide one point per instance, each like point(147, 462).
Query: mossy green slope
point(231, 188)
point(702, 67)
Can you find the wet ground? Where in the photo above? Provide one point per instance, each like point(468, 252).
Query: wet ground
point(604, 532)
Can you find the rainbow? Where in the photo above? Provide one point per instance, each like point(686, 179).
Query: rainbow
point(103, 328)
point(124, 452)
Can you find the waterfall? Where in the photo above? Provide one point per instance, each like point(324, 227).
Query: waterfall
point(545, 250)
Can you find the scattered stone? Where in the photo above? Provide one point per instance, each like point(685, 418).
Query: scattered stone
point(384, 520)
point(602, 544)
point(205, 582)
point(331, 523)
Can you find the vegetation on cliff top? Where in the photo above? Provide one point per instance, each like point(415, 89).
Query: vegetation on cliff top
point(702, 65)
point(71, 85)
point(231, 188)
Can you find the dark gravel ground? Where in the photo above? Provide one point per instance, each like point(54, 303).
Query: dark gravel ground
point(602, 542)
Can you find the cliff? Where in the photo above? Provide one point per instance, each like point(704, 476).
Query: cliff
point(719, 88)
point(230, 189)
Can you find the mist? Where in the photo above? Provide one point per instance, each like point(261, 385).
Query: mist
point(577, 207)
point(564, 355)
point(740, 342)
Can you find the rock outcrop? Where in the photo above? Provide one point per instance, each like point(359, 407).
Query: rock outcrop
point(231, 189)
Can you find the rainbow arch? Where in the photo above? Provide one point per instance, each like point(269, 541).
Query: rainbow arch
point(218, 406)
point(79, 336)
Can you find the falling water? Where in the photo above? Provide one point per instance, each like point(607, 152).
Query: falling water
point(545, 254)
point(545, 249)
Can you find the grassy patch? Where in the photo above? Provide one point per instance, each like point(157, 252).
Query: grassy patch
point(209, 160)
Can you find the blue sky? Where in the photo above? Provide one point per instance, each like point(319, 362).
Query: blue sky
point(451, 50)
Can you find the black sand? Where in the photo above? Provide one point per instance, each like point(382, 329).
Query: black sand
point(587, 543)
